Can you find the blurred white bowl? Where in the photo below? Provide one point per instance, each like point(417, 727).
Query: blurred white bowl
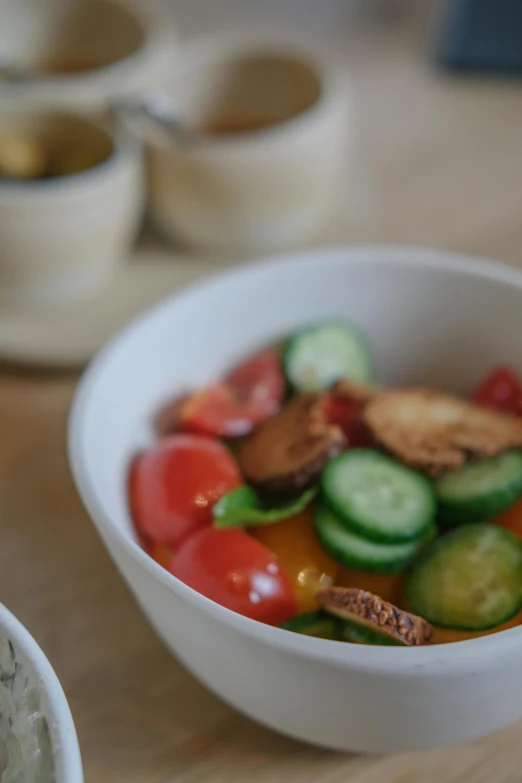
point(34, 714)
point(84, 53)
point(65, 237)
point(431, 317)
point(272, 162)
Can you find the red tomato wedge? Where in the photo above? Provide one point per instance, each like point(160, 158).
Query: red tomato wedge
point(259, 380)
point(174, 486)
point(232, 408)
point(347, 415)
point(501, 389)
point(238, 572)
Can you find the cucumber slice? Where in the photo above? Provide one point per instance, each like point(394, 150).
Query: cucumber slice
point(318, 356)
point(481, 490)
point(322, 625)
point(319, 624)
point(470, 579)
point(377, 497)
point(359, 553)
point(359, 634)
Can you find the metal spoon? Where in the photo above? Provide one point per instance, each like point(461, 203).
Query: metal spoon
point(14, 74)
point(156, 112)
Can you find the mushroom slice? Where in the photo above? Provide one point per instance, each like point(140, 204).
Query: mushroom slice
point(372, 613)
point(355, 391)
point(286, 454)
point(437, 432)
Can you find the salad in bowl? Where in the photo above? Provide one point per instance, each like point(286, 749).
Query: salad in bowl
point(308, 471)
point(298, 492)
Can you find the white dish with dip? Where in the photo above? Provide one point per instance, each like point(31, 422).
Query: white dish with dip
point(38, 742)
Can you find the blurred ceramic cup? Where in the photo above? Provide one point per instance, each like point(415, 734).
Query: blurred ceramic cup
point(71, 201)
point(267, 168)
point(82, 53)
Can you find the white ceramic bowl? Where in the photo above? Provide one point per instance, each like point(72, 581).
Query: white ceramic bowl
point(431, 317)
point(84, 53)
point(270, 188)
point(29, 709)
point(63, 238)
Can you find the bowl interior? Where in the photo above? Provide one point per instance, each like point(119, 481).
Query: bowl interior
point(229, 93)
point(64, 38)
point(42, 145)
point(431, 319)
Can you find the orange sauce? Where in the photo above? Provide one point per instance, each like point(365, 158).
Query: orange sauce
point(444, 635)
point(389, 587)
point(302, 558)
point(160, 554)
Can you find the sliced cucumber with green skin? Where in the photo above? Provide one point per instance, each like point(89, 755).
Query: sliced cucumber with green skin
point(361, 554)
point(322, 625)
point(319, 356)
point(480, 490)
point(319, 624)
point(470, 579)
point(377, 497)
point(359, 634)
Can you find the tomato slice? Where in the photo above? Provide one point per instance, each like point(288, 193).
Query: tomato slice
point(295, 544)
point(174, 486)
point(232, 408)
point(260, 380)
point(238, 572)
point(216, 412)
point(500, 389)
point(346, 414)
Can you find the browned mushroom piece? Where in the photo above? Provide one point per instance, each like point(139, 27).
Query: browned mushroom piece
point(355, 391)
point(369, 611)
point(286, 454)
point(436, 432)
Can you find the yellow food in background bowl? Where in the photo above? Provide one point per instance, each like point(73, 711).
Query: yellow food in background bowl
point(44, 153)
point(21, 156)
point(64, 236)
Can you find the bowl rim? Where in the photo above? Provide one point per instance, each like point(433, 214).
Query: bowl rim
point(203, 51)
point(448, 658)
point(125, 148)
point(42, 78)
point(68, 762)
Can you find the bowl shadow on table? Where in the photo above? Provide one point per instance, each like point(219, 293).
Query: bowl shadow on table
point(25, 371)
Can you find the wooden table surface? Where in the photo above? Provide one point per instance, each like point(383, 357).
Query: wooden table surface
point(445, 165)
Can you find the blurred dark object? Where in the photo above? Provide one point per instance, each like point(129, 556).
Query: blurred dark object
point(481, 35)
